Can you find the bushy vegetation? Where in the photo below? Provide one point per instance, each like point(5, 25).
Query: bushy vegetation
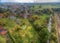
point(53, 36)
point(32, 29)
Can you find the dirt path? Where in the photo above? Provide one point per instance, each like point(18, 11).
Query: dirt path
point(57, 20)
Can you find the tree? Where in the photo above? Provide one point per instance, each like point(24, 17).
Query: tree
point(40, 26)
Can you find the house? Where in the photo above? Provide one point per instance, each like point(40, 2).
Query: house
point(12, 17)
point(17, 20)
point(1, 15)
point(2, 31)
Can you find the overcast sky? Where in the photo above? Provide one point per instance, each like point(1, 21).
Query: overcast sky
point(29, 1)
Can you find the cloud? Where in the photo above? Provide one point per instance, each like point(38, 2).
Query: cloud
point(46, 1)
point(8, 0)
point(29, 0)
point(25, 0)
point(17, 0)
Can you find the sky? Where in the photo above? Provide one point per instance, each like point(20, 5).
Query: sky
point(31, 1)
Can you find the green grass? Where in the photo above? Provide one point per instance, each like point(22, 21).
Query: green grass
point(2, 39)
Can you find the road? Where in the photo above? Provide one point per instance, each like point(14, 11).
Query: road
point(57, 19)
point(49, 25)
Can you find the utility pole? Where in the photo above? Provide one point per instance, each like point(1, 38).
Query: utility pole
point(36, 1)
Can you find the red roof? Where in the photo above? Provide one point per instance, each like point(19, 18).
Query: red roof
point(2, 31)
